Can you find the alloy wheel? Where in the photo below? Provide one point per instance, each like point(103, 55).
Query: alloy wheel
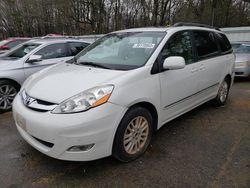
point(223, 91)
point(7, 95)
point(136, 135)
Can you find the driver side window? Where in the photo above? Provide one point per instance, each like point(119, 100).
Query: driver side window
point(53, 51)
point(179, 45)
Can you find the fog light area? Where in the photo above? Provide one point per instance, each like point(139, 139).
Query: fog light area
point(80, 148)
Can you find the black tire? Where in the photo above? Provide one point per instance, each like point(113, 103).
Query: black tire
point(219, 100)
point(119, 151)
point(3, 94)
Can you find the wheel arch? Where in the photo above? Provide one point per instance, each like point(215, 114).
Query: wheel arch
point(11, 80)
point(151, 108)
point(229, 77)
point(142, 104)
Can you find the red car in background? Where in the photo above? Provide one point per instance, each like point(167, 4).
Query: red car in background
point(10, 43)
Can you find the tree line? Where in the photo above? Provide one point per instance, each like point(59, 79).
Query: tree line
point(81, 17)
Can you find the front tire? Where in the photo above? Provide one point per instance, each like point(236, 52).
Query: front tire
point(8, 91)
point(133, 135)
point(223, 92)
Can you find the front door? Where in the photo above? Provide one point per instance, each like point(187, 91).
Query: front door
point(178, 86)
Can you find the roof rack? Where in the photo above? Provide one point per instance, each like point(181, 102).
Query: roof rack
point(59, 37)
point(195, 24)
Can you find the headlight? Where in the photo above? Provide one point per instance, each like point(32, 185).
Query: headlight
point(85, 100)
point(242, 64)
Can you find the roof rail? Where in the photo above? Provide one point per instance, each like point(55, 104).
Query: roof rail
point(59, 37)
point(195, 24)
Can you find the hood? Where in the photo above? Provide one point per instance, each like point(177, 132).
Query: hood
point(64, 80)
point(242, 57)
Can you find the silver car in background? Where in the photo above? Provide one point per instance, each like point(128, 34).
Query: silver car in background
point(30, 57)
point(242, 53)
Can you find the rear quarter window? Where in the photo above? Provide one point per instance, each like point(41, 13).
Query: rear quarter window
point(224, 43)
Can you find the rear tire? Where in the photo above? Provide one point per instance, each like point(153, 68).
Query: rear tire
point(133, 135)
point(8, 91)
point(223, 92)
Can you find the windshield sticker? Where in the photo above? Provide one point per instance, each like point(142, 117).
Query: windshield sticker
point(143, 45)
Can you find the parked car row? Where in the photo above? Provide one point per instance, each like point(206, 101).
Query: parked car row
point(117, 92)
point(30, 57)
point(9, 43)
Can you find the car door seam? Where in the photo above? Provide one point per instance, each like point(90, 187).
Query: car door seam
point(188, 97)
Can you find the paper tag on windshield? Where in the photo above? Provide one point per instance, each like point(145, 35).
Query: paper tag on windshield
point(143, 45)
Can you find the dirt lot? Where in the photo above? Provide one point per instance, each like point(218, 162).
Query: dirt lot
point(207, 147)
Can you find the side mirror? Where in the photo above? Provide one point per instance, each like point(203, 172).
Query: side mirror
point(173, 63)
point(34, 58)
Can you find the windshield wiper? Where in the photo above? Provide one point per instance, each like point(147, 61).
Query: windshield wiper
point(93, 64)
point(71, 61)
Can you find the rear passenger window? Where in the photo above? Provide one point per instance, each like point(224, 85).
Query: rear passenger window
point(179, 45)
point(53, 51)
point(205, 43)
point(225, 45)
point(76, 47)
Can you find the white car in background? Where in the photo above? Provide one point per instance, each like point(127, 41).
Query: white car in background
point(28, 58)
point(121, 89)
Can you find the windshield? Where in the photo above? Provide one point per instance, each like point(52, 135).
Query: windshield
point(23, 50)
point(243, 49)
point(122, 51)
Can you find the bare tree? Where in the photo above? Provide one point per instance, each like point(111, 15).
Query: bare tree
point(77, 17)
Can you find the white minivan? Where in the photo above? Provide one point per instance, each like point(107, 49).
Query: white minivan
point(121, 89)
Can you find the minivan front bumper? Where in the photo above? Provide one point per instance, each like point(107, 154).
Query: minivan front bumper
point(54, 134)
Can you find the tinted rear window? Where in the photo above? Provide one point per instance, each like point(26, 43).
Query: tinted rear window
point(205, 43)
point(223, 42)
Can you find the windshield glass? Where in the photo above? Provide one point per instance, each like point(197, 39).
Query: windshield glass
point(243, 49)
point(23, 50)
point(122, 51)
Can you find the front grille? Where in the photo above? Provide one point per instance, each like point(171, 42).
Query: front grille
point(44, 102)
point(36, 109)
point(239, 73)
point(48, 144)
point(36, 104)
